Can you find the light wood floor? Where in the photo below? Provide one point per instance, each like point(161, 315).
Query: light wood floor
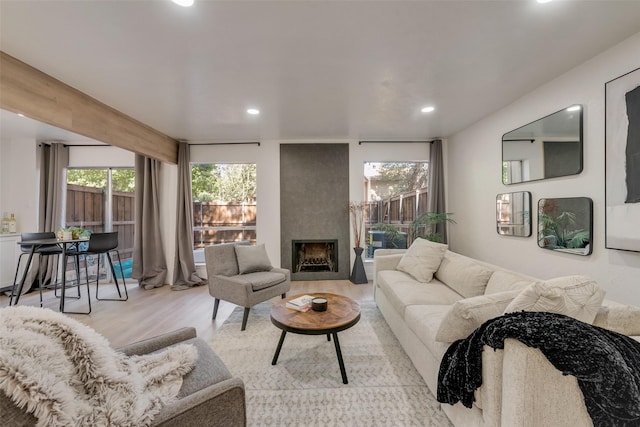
point(152, 312)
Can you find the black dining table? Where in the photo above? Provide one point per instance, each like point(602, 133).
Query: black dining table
point(66, 245)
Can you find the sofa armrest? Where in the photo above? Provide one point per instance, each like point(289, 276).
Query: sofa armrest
point(385, 252)
point(535, 393)
point(159, 342)
point(220, 404)
point(489, 395)
point(385, 262)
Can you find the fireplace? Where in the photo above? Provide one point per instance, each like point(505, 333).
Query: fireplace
point(314, 256)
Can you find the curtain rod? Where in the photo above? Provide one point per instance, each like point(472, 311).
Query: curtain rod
point(87, 145)
point(516, 140)
point(230, 143)
point(40, 144)
point(395, 142)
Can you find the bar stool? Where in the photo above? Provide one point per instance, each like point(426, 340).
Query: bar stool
point(41, 251)
point(104, 243)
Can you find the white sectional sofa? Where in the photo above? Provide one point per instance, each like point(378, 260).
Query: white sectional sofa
point(519, 386)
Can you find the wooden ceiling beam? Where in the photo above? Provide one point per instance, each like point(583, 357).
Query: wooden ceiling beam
point(29, 91)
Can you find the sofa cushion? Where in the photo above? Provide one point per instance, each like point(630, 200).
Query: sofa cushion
point(262, 279)
point(577, 296)
point(466, 277)
point(403, 290)
point(621, 318)
point(424, 321)
point(252, 259)
point(466, 315)
point(422, 259)
point(501, 281)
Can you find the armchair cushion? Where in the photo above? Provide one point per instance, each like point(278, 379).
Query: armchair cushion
point(208, 371)
point(262, 279)
point(221, 259)
point(252, 259)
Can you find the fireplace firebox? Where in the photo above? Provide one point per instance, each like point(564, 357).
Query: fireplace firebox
point(314, 255)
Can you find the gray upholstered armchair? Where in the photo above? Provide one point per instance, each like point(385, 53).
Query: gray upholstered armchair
point(209, 396)
point(243, 275)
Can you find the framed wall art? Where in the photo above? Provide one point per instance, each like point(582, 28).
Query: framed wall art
point(622, 162)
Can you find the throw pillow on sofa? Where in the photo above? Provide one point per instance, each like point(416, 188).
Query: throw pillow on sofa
point(422, 259)
point(577, 296)
point(621, 318)
point(466, 315)
point(467, 278)
point(501, 281)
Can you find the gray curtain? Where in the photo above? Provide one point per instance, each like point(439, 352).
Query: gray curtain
point(54, 159)
point(435, 192)
point(149, 264)
point(184, 271)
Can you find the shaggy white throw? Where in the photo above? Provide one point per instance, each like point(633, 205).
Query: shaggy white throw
point(66, 374)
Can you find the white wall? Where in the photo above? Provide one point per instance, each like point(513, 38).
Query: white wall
point(19, 181)
point(474, 180)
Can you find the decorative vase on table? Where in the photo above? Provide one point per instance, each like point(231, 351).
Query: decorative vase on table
point(358, 275)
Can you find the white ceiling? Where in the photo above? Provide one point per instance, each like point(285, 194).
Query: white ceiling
point(315, 69)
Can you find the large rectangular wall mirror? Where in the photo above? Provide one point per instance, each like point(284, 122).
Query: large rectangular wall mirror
point(547, 148)
point(566, 225)
point(513, 214)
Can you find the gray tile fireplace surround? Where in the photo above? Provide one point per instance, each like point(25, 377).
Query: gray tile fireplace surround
point(314, 199)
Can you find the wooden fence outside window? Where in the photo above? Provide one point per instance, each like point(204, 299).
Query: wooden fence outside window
point(85, 209)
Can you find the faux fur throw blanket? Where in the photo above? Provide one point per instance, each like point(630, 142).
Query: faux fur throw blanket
point(605, 363)
point(66, 374)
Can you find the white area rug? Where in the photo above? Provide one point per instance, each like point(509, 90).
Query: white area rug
point(305, 387)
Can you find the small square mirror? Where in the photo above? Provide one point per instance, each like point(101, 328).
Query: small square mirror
point(566, 225)
point(513, 214)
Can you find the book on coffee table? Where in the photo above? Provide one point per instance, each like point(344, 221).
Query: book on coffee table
point(302, 303)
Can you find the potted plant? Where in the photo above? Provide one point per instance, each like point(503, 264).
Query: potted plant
point(425, 226)
point(75, 233)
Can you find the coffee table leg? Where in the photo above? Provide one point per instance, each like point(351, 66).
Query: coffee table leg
point(328, 337)
point(340, 361)
point(275, 356)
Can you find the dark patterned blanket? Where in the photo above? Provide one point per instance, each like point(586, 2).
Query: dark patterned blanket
point(605, 363)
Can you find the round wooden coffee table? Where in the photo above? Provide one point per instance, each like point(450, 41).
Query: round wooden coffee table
point(342, 313)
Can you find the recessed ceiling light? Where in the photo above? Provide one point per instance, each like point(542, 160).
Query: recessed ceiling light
point(184, 3)
point(253, 111)
point(427, 109)
point(544, 1)
point(574, 108)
